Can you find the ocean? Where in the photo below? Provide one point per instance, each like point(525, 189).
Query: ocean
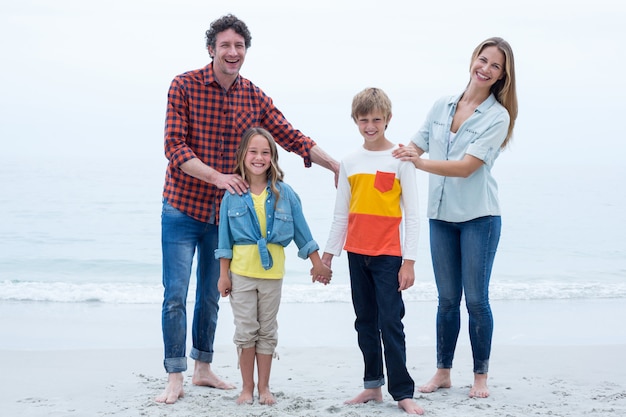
point(88, 231)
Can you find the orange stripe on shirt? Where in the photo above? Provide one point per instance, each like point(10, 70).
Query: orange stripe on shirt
point(373, 235)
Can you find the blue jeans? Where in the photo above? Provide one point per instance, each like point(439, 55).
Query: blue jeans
point(181, 235)
point(462, 256)
point(379, 311)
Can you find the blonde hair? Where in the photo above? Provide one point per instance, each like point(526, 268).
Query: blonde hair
point(504, 89)
point(274, 173)
point(371, 100)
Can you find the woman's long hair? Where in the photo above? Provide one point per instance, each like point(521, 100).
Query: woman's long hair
point(504, 89)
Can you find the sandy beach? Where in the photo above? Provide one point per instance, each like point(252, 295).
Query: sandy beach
point(549, 359)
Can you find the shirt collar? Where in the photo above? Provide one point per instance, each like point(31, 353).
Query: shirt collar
point(209, 77)
point(268, 188)
point(489, 101)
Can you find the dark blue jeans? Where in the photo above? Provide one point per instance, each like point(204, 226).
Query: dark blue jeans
point(181, 235)
point(379, 311)
point(462, 255)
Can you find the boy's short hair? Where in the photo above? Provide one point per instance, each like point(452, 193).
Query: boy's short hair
point(371, 100)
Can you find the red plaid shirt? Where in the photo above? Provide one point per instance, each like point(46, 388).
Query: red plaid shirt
point(204, 121)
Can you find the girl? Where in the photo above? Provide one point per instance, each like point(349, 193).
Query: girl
point(464, 135)
point(253, 231)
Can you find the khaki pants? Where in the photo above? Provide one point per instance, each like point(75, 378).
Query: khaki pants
point(255, 303)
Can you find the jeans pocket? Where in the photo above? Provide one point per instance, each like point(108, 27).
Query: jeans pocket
point(170, 211)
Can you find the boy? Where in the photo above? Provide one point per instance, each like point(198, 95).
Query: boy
point(376, 194)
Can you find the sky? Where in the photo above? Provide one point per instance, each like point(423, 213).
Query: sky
point(85, 79)
point(85, 89)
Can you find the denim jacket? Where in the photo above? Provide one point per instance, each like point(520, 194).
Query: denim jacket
point(239, 224)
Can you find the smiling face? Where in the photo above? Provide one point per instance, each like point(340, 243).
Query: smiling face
point(372, 127)
point(258, 158)
point(488, 67)
point(228, 56)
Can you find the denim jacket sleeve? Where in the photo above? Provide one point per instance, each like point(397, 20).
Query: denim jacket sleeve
point(225, 238)
point(302, 234)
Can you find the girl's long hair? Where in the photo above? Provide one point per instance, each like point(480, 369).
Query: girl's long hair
point(274, 173)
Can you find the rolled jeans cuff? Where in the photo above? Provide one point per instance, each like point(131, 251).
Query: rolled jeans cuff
point(198, 355)
point(175, 365)
point(481, 367)
point(376, 383)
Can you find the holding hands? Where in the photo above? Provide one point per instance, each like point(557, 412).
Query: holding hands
point(326, 261)
point(321, 273)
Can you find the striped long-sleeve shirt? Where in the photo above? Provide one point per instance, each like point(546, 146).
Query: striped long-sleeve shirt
point(376, 209)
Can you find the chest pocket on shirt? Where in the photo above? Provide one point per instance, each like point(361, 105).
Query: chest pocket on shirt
point(384, 181)
point(284, 217)
point(239, 217)
point(283, 228)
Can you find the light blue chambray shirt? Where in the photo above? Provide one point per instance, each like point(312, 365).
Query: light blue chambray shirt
point(456, 199)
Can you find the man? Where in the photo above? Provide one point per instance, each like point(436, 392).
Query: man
point(207, 112)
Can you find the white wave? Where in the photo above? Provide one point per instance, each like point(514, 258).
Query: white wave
point(137, 293)
point(64, 292)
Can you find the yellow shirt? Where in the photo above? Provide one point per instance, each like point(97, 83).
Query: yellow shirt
point(246, 260)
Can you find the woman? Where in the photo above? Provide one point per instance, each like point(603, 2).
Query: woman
point(463, 136)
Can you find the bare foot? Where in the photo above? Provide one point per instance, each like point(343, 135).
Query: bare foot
point(410, 407)
point(441, 379)
point(245, 397)
point(479, 389)
point(266, 397)
point(174, 389)
point(368, 394)
point(204, 376)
